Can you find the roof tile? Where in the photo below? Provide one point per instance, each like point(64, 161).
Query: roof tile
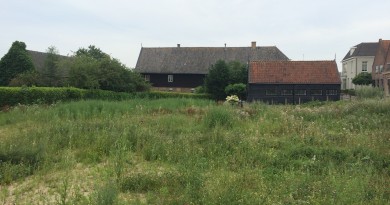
point(294, 72)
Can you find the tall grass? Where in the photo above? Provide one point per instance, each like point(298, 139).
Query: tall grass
point(367, 92)
point(185, 151)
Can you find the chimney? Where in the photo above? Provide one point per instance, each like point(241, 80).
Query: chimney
point(178, 45)
point(253, 44)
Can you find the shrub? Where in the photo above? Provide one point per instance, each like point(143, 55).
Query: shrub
point(238, 89)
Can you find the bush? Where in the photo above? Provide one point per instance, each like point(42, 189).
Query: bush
point(200, 90)
point(238, 89)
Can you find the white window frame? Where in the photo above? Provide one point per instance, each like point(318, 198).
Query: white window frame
point(170, 78)
point(364, 66)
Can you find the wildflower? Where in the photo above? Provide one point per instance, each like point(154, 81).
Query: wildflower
point(232, 99)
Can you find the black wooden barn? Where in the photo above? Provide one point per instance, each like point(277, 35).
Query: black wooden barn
point(293, 82)
point(184, 68)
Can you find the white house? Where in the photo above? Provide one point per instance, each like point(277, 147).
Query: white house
point(359, 59)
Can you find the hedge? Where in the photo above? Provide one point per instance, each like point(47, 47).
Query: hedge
point(10, 96)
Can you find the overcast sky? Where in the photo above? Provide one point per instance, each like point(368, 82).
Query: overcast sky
point(301, 29)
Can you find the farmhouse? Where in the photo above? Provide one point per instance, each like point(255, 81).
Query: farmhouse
point(293, 82)
point(381, 66)
point(184, 68)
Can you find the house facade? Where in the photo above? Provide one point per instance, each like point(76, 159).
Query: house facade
point(293, 82)
point(381, 67)
point(358, 59)
point(184, 68)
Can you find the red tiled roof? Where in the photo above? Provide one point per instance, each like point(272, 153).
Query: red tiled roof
point(294, 72)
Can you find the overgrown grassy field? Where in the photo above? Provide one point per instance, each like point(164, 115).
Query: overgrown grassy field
point(184, 151)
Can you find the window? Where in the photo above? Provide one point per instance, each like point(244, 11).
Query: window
point(300, 92)
point(170, 78)
point(364, 66)
point(147, 77)
point(271, 92)
point(331, 92)
point(381, 68)
point(344, 68)
point(376, 69)
point(316, 92)
point(286, 92)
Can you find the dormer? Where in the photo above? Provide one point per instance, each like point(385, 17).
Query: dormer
point(352, 50)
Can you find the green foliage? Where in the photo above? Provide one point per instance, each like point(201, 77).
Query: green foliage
point(186, 151)
point(15, 62)
point(200, 89)
point(369, 92)
point(27, 78)
point(51, 73)
point(10, 96)
point(219, 116)
point(217, 79)
point(238, 89)
point(221, 75)
point(362, 78)
point(92, 52)
point(238, 73)
point(93, 69)
point(83, 73)
point(107, 194)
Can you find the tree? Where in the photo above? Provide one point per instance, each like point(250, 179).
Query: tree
point(92, 52)
point(222, 74)
point(93, 69)
point(51, 75)
point(238, 73)
point(362, 79)
point(217, 79)
point(83, 72)
point(15, 62)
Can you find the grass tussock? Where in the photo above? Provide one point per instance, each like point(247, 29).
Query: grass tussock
point(186, 151)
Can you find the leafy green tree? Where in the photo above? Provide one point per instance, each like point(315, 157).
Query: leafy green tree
point(362, 79)
point(92, 52)
point(217, 79)
point(83, 72)
point(15, 62)
point(238, 72)
point(51, 75)
point(222, 74)
point(94, 69)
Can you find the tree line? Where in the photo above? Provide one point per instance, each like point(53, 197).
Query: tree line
point(87, 68)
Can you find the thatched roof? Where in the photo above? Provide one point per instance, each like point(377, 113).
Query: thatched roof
point(197, 60)
point(39, 58)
